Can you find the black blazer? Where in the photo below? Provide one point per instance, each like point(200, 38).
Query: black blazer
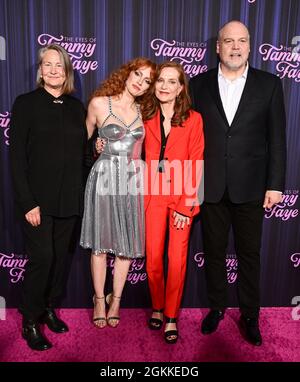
point(248, 157)
point(47, 143)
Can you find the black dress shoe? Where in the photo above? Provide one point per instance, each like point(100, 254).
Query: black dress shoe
point(32, 334)
point(55, 324)
point(250, 330)
point(211, 321)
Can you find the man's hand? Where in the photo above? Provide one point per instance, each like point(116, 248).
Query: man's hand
point(271, 198)
point(34, 216)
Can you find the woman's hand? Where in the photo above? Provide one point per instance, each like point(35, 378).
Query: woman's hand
point(100, 144)
point(34, 216)
point(180, 220)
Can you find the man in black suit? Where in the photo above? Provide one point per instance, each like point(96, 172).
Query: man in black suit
point(245, 157)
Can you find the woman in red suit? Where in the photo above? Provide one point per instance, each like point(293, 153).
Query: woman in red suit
point(174, 147)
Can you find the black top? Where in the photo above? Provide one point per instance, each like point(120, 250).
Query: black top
point(164, 140)
point(47, 143)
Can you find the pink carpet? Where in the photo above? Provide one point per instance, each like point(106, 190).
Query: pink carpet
point(132, 341)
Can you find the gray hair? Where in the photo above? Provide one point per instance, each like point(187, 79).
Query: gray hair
point(68, 86)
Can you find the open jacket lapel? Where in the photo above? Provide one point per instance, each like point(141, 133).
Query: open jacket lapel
point(247, 95)
point(154, 127)
point(175, 136)
point(248, 92)
point(214, 89)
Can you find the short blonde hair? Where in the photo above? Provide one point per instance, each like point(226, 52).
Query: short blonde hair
point(68, 86)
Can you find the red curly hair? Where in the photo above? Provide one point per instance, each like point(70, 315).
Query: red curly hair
point(115, 83)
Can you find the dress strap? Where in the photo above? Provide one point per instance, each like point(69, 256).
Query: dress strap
point(109, 109)
point(138, 108)
point(109, 105)
point(111, 113)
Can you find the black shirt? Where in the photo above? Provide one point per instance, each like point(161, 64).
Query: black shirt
point(164, 140)
point(47, 143)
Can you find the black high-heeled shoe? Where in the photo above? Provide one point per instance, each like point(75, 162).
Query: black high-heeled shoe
point(99, 322)
point(171, 336)
point(155, 323)
point(112, 321)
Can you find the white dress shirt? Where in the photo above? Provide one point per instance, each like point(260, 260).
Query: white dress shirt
point(231, 92)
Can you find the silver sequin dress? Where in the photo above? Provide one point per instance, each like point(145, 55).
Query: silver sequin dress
point(113, 219)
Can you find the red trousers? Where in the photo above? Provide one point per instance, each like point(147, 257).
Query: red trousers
point(165, 294)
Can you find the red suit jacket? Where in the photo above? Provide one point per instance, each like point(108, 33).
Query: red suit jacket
point(184, 149)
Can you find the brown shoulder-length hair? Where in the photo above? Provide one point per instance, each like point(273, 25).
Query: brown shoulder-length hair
point(68, 86)
point(115, 84)
point(183, 102)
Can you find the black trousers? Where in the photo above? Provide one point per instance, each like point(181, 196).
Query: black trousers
point(47, 247)
point(246, 220)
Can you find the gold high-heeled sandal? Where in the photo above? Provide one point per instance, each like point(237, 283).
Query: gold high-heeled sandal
point(102, 320)
point(109, 299)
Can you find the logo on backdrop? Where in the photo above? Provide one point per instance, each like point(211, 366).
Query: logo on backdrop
point(136, 272)
point(231, 265)
point(287, 58)
point(286, 209)
point(80, 49)
point(295, 259)
point(4, 124)
point(188, 53)
point(15, 265)
point(2, 49)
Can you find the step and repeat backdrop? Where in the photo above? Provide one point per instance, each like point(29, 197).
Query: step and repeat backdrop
point(100, 35)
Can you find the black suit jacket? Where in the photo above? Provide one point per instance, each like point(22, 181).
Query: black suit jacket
point(47, 148)
point(248, 157)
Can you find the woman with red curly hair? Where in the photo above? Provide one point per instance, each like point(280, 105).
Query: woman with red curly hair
point(113, 220)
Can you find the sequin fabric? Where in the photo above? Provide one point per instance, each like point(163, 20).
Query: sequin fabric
point(113, 219)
